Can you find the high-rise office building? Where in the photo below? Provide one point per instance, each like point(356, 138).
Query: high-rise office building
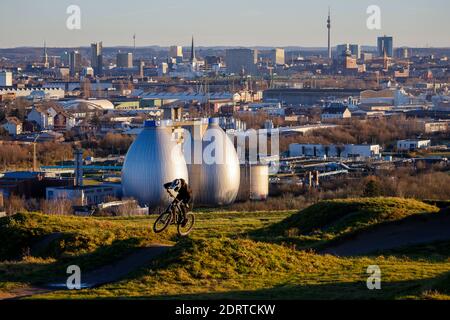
point(97, 58)
point(124, 60)
point(278, 56)
point(240, 61)
point(75, 63)
point(176, 52)
point(386, 45)
point(402, 53)
point(6, 79)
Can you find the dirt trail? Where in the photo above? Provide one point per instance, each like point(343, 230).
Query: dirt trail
point(395, 235)
point(104, 275)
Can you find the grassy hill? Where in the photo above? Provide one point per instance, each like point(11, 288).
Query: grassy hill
point(220, 260)
point(244, 269)
point(69, 236)
point(329, 220)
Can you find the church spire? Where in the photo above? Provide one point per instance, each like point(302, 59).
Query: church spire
point(193, 59)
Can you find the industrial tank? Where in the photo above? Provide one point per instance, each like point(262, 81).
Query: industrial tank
point(215, 179)
point(154, 159)
point(254, 182)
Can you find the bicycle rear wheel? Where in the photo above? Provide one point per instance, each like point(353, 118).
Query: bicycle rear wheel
point(189, 226)
point(163, 222)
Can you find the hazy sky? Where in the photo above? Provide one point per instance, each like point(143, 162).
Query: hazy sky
point(224, 22)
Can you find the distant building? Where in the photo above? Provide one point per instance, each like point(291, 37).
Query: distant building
point(51, 118)
point(13, 125)
point(384, 99)
point(436, 127)
point(124, 60)
point(97, 58)
point(386, 45)
point(336, 111)
point(83, 195)
point(308, 96)
point(354, 49)
point(334, 151)
point(31, 185)
point(176, 52)
point(277, 56)
point(413, 145)
point(241, 61)
point(163, 69)
point(6, 79)
point(75, 63)
point(366, 57)
point(402, 53)
point(46, 93)
point(88, 72)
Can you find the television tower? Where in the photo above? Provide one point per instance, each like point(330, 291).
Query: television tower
point(329, 33)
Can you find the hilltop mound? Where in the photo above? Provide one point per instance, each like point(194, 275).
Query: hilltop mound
point(68, 236)
point(330, 219)
point(243, 269)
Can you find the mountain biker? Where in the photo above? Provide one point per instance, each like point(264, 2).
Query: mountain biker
point(184, 195)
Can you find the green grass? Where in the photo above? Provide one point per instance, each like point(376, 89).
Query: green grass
point(28, 258)
point(240, 268)
point(38, 248)
point(329, 220)
point(224, 257)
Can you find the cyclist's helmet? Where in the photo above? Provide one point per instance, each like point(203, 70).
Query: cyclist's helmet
point(176, 185)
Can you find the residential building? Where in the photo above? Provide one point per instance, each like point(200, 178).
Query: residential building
point(336, 111)
point(6, 79)
point(51, 118)
point(13, 125)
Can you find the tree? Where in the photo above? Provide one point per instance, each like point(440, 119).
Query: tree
point(372, 188)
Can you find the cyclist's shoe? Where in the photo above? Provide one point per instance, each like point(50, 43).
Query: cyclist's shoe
point(184, 222)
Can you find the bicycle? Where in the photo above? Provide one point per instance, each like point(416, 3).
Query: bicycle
point(174, 215)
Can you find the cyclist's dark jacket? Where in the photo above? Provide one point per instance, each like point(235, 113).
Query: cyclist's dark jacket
point(185, 193)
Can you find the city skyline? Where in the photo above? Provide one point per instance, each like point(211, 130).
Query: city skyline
point(262, 23)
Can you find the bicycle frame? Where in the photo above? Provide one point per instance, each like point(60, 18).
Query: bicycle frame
point(175, 204)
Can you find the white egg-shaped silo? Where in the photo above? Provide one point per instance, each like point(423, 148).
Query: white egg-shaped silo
point(193, 152)
point(254, 182)
point(154, 159)
point(215, 181)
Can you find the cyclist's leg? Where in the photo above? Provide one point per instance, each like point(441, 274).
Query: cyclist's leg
point(183, 212)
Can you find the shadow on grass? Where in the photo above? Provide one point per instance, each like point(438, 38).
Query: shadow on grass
point(329, 291)
point(32, 270)
point(435, 248)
